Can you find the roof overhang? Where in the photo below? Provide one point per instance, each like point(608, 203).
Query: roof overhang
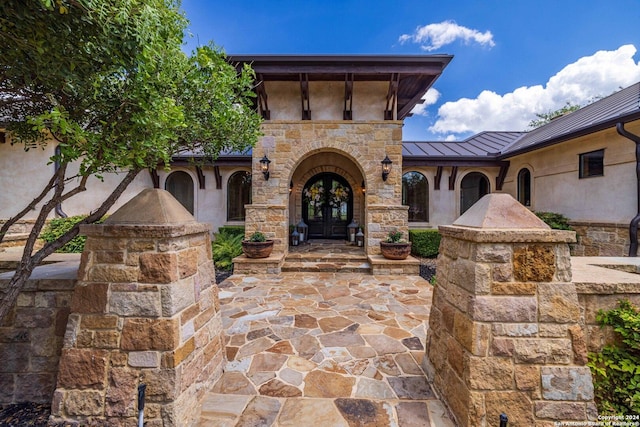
point(409, 76)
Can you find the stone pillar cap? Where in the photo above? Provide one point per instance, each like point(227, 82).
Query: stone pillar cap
point(500, 211)
point(152, 206)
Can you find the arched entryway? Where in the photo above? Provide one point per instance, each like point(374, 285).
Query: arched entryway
point(327, 206)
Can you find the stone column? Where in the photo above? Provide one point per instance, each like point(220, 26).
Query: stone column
point(504, 334)
point(145, 310)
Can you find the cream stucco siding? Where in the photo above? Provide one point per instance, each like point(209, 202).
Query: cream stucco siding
point(326, 100)
point(556, 185)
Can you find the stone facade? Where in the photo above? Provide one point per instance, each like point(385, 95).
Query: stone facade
point(145, 311)
point(31, 336)
point(352, 149)
point(600, 239)
point(504, 330)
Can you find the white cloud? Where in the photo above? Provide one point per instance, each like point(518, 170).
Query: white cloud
point(429, 98)
point(434, 36)
point(578, 83)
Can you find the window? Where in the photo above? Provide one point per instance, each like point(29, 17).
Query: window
point(180, 185)
point(415, 194)
point(473, 187)
point(238, 195)
point(524, 187)
point(592, 164)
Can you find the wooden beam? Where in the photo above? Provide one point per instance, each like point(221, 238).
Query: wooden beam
point(501, 176)
point(392, 98)
point(304, 96)
point(216, 173)
point(348, 97)
point(154, 178)
point(271, 71)
point(452, 178)
point(438, 178)
point(200, 177)
point(263, 105)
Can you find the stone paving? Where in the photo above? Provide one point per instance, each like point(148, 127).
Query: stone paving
point(324, 349)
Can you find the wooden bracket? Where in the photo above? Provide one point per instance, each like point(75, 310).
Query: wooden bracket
point(154, 178)
point(216, 173)
point(452, 178)
point(200, 177)
point(348, 97)
point(392, 97)
point(304, 96)
point(438, 178)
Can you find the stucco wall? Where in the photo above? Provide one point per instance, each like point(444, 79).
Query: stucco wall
point(326, 100)
point(24, 174)
point(557, 187)
point(444, 204)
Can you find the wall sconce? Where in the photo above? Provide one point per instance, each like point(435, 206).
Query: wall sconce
point(290, 186)
point(386, 167)
point(264, 167)
point(364, 189)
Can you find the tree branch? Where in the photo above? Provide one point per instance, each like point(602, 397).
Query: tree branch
point(30, 261)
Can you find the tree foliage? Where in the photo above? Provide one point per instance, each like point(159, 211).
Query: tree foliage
point(109, 85)
point(544, 118)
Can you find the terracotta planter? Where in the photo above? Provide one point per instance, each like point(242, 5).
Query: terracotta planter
point(257, 249)
point(395, 250)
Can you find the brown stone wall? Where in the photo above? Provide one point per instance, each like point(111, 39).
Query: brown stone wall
point(594, 297)
point(31, 340)
point(600, 239)
point(145, 310)
point(504, 333)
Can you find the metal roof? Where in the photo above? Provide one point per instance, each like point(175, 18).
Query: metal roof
point(480, 145)
point(621, 106)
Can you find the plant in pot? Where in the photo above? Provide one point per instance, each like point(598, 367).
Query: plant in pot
point(257, 246)
point(395, 246)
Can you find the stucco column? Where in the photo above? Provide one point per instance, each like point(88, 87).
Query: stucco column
point(145, 310)
point(504, 333)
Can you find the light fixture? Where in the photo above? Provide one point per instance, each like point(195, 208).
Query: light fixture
point(386, 167)
point(364, 189)
point(264, 167)
point(290, 186)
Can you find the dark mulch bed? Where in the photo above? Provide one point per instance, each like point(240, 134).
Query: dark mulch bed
point(25, 414)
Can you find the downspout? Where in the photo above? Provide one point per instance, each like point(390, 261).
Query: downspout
point(58, 209)
point(633, 226)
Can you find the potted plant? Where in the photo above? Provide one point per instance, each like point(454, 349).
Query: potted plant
point(394, 246)
point(257, 246)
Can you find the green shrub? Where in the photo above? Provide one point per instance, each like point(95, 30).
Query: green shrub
point(232, 229)
point(555, 220)
point(616, 369)
point(257, 237)
point(425, 242)
point(225, 247)
point(58, 226)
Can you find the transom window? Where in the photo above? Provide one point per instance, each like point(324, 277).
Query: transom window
point(592, 164)
point(238, 195)
point(180, 185)
point(415, 194)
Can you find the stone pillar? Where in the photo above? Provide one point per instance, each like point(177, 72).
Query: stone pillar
point(145, 310)
point(504, 334)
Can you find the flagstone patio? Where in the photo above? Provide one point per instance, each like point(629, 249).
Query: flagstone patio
point(324, 349)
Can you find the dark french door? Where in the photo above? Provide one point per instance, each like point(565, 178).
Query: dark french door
point(327, 206)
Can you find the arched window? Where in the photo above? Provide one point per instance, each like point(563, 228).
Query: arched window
point(524, 187)
point(415, 194)
point(238, 195)
point(180, 185)
point(473, 187)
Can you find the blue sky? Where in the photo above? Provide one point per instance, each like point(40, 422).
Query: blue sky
point(512, 58)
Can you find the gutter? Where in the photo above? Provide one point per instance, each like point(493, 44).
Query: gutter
point(633, 226)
